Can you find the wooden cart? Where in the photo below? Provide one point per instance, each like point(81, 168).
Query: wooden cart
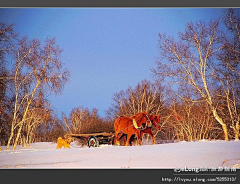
point(95, 139)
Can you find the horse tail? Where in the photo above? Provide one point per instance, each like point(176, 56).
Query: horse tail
point(116, 123)
point(116, 127)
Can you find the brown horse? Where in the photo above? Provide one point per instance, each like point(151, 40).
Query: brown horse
point(154, 120)
point(129, 126)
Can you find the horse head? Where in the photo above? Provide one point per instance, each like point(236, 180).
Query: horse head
point(140, 120)
point(156, 121)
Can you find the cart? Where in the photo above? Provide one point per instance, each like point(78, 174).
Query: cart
point(95, 139)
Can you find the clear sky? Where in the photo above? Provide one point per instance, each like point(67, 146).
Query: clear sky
point(105, 49)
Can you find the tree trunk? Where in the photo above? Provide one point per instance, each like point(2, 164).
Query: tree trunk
point(224, 126)
point(236, 130)
point(13, 121)
point(10, 138)
point(16, 140)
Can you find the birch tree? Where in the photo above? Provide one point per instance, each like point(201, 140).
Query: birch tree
point(36, 67)
point(228, 71)
point(39, 113)
point(189, 61)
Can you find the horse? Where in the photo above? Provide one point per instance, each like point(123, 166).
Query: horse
point(129, 126)
point(154, 120)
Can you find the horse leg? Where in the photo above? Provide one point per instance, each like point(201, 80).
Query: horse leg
point(138, 138)
point(141, 135)
point(124, 138)
point(117, 142)
point(128, 139)
point(119, 136)
point(153, 138)
point(131, 139)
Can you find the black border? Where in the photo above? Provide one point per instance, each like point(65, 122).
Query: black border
point(110, 3)
point(105, 176)
point(111, 176)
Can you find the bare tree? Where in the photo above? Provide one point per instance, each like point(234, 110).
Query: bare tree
point(7, 39)
point(228, 71)
point(36, 68)
point(49, 130)
point(77, 119)
point(189, 61)
point(231, 52)
point(191, 121)
point(39, 113)
point(146, 96)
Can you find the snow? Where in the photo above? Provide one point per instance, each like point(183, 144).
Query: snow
point(170, 155)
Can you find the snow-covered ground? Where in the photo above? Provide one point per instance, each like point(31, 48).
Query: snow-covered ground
point(171, 155)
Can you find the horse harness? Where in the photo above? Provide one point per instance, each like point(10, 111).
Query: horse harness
point(148, 125)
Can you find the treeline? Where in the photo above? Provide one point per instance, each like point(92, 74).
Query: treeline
point(82, 120)
point(196, 89)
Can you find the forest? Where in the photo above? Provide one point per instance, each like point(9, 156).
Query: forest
point(196, 87)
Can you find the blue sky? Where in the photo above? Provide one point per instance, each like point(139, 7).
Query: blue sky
point(105, 49)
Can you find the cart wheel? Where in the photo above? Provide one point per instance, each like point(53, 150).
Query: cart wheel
point(93, 142)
